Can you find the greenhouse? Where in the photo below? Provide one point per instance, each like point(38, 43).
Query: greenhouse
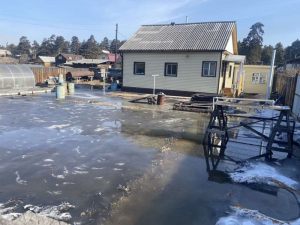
point(16, 76)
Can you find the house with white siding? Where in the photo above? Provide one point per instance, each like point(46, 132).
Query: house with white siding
point(188, 58)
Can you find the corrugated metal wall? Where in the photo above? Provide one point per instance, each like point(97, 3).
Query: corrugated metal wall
point(188, 76)
point(43, 73)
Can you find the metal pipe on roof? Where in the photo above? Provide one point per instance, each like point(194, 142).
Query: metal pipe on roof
point(271, 74)
point(186, 19)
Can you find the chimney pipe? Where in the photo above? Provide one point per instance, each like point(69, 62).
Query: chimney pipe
point(187, 19)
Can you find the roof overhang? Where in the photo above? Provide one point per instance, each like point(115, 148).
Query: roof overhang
point(235, 58)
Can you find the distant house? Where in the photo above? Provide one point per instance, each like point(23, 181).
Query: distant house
point(60, 59)
point(110, 57)
point(293, 64)
point(5, 53)
point(189, 58)
point(255, 78)
point(45, 60)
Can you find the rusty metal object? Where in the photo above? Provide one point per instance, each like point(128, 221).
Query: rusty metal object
point(161, 99)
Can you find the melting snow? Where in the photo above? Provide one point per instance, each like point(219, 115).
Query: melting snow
point(59, 126)
point(18, 179)
point(260, 173)
point(244, 216)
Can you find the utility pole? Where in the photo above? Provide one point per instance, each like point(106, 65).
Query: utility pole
point(271, 74)
point(116, 46)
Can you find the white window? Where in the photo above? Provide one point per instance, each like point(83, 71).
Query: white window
point(171, 69)
point(255, 78)
point(209, 69)
point(262, 78)
point(139, 68)
point(259, 78)
point(60, 57)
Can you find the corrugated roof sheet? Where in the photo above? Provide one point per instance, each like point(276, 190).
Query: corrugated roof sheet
point(47, 59)
point(180, 37)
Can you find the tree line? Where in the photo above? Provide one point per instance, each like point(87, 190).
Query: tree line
point(252, 47)
point(55, 45)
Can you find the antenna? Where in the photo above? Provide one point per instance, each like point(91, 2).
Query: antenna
point(186, 19)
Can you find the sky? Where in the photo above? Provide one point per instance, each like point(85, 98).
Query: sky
point(39, 19)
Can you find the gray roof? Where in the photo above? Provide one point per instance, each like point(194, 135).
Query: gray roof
point(208, 36)
point(86, 61)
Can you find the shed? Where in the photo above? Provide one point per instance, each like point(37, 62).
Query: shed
point(255, 78)
point(4, 53)
point(16, 76)
point(46, 60)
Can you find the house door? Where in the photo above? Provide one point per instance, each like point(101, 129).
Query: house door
point(224, 65)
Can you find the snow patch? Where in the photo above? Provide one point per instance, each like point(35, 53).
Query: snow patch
point(54, 212)
point(59, 126)
point(18, 179)
point(260, 173)
point(244, 216)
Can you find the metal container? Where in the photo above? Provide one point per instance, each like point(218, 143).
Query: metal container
point(161, 99)
point(60, 92)
point(113, 86)
point(60, 78)
point(71, 87)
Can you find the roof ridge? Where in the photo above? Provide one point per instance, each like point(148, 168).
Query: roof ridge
point(169, 24)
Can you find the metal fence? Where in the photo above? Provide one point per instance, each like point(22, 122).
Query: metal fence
point(43, 73)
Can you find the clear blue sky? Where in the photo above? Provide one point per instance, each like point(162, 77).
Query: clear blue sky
point(280, 17)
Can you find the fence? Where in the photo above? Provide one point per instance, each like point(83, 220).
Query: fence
point(43, 73)
point(285, 86)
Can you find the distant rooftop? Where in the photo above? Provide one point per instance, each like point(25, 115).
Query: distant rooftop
point(206, 36)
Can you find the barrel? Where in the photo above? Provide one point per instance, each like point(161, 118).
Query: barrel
point(60, 92)
point(161, 99)
point(113, 86)
point(60, 78)
point(71, 87)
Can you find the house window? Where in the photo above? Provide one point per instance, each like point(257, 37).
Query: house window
point(139, 68)
point(259, 78)
point(262, 78)
point(171, 69)
point(209, 69)
point(103, 57)
point(255, 78)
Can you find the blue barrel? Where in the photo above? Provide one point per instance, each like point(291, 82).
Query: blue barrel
point(60, 78)
point(113, 86)
point(71, 87)
point(60, 92)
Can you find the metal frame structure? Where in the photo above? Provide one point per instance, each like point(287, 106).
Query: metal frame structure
point(218, 129)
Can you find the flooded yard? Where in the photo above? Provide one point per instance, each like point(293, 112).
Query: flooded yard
point(122, 163)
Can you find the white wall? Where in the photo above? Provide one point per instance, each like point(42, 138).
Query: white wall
point(229, 46)
point(188, 76)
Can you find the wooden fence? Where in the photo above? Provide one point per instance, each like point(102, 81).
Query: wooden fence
point(43, 73)
point(285, 85)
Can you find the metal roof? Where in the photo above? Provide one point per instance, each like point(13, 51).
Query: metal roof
point(4, 52)
point(235, 58)
point(208, 36)
point(47, 59)
point(87, 61)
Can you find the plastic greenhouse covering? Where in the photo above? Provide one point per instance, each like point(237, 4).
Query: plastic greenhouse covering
point(16, 76)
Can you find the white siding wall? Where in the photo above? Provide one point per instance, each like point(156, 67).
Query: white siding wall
point(188, 76)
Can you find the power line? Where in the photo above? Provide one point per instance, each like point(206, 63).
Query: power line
point(122, 35)
point(69, 28)
point(48, 20)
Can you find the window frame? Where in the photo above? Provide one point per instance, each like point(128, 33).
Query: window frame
point(134, 65)
point(265, 74)
point(209, 69)
point(171, 63)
